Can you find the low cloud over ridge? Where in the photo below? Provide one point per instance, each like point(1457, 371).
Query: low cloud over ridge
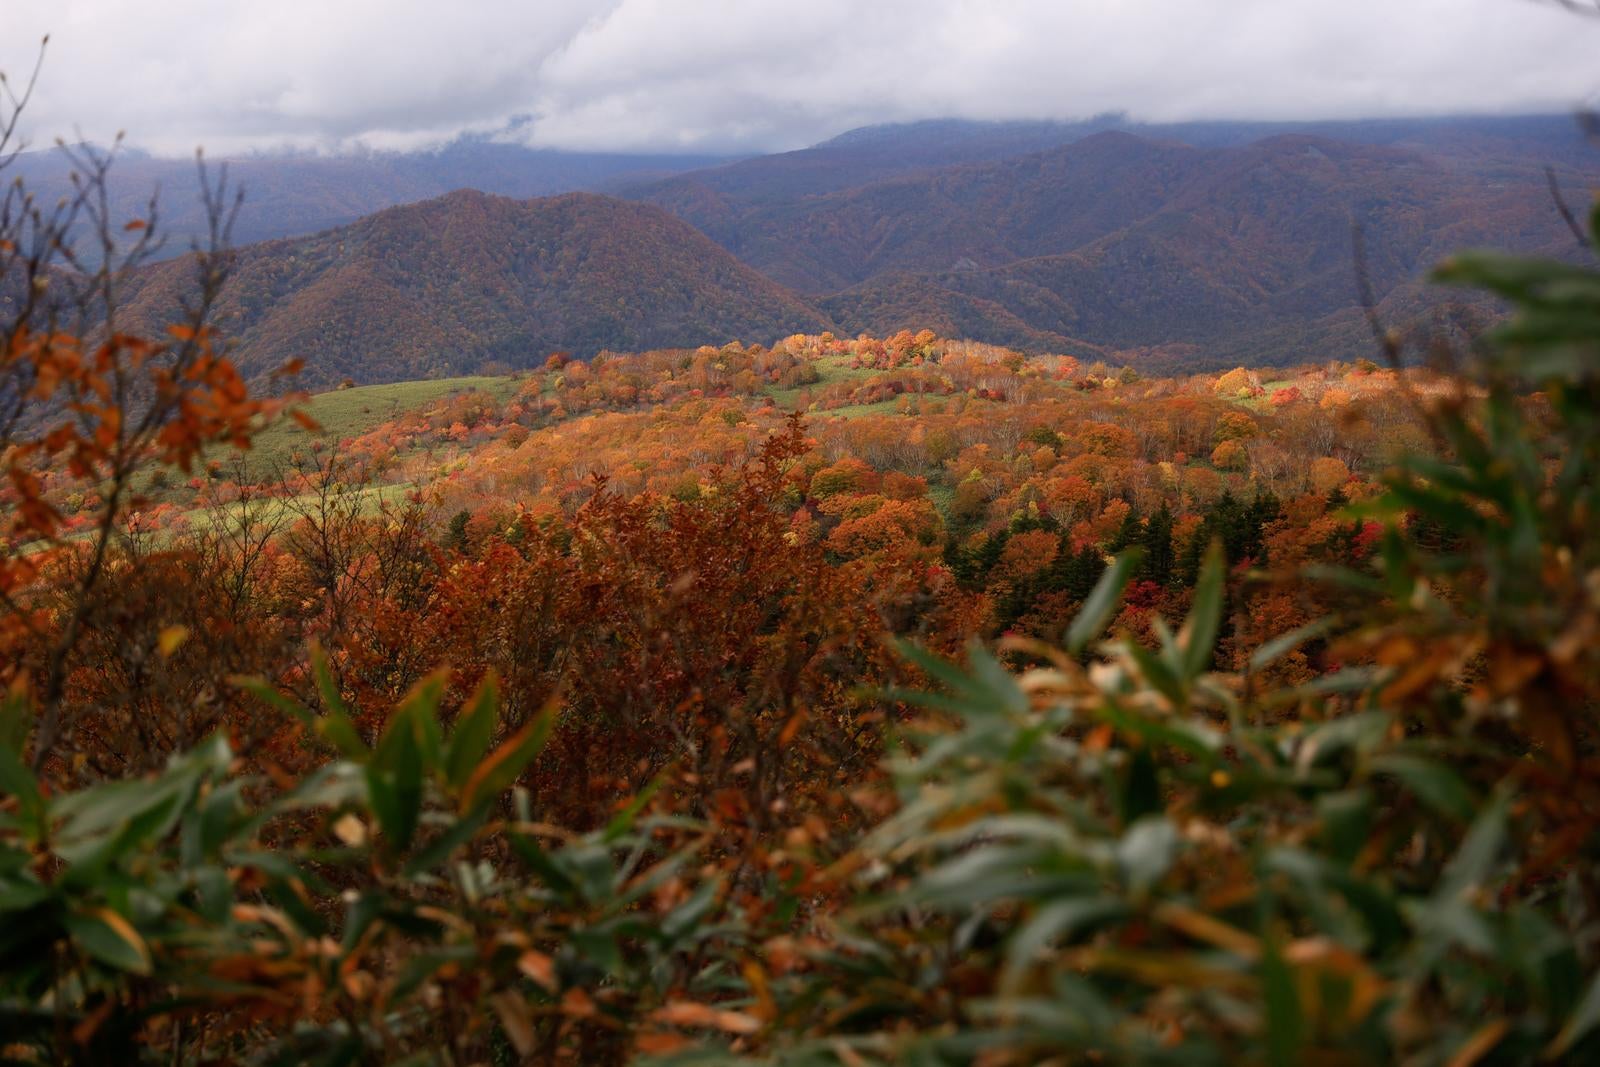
point(760, 75)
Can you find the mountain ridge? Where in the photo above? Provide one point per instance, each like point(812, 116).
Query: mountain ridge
point(1127, 243)
point(469, 278)
point(1117, 245)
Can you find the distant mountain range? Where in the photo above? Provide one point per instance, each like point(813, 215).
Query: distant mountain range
point(448, 285)
point(292, 195)
point(1198, 245)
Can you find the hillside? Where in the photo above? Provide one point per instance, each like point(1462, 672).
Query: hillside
point(1127, 242)
point(448, 285)
point(878, 153)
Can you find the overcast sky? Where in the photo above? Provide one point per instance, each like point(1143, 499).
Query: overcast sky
point(756, 75)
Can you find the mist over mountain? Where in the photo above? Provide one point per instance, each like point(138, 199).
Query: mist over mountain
point(290, 195)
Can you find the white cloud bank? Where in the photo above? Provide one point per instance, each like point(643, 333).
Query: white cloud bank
point(763, 74)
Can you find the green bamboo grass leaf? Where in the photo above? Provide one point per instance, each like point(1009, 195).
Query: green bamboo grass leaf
point(1158, 673)
point(1146, 852)
point(543, 864)
point(1190, 736)
point(441, 848)
point(1141, 789)
point(16, 720)
point(1280, 646)
point(111, 939)
point(335, 728)
point(1057, 920)
point(337, 723)
point(1585, 1017)
point(623, 821)
point(264, 692)
point(396, 799)
point(1285, 1019)
point(1436, 785)
point(1475, 858)
point(1102, 602)
point(1199, 636)
point(17, 781)
point(474, 731)
point(420, 709)
point(497, 773)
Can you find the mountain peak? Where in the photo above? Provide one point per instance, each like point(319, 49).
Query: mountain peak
point(468, 279)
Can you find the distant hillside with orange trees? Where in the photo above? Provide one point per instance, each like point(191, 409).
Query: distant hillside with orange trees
point(1005, 480)
point(452, 284)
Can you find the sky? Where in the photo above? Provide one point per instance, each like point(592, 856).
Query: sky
point(760, 75)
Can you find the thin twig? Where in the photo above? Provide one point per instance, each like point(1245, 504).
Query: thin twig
point(1566, 212)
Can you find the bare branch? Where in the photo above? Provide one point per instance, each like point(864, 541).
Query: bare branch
point(1566, 212)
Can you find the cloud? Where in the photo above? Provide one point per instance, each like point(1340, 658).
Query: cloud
point(764, 74)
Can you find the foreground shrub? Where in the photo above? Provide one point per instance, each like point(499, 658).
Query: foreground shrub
point(397, 901)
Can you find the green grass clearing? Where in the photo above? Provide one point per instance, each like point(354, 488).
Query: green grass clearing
point(833, 369)
point(351, 412)
point(371, 497)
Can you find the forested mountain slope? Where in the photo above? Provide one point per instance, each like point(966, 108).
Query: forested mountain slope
point(1236, 253)
point(450, 284)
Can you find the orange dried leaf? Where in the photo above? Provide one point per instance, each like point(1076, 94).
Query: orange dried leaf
point(578, 1004)
point(171, 639)
point(660, 1043)
point(539, 967)
point(514, 1018)
point(690, 1013)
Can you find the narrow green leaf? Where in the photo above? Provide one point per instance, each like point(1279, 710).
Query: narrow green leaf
point(1158, 672)
point(336, 728)
point(1272, 651)
point(440, 849)
point(622, 822)
point(111, 939)
point(394, 779)
point(1436, 785)
point(1475, 858)
point(359, 915)
point(16, 720)
point(1059, 919)
point(396, 799)
point(420, 709)
point(1585, 1017)
point(474, 730)
point(17, 781)
point(1146, 852)
point(540, 861)
point(1199, 635)
point(1285, 1021)
point(1141, 790)
point(264, 692)
point(984, 688)
point(1346, 823)
point(1102, 602)
point(496, 774)
point(337, 724)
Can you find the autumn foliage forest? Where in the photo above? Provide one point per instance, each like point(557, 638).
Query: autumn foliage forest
point(834, 701)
